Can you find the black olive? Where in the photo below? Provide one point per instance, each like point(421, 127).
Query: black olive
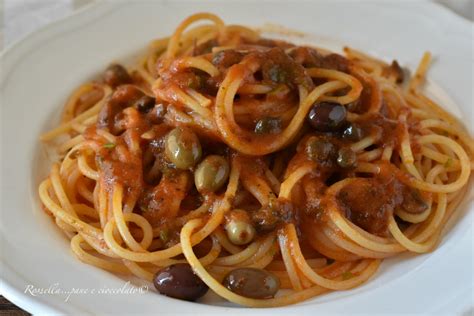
point(253, 283)
point(353, 133)
point(145, 104)
point(320, 150)
point(268, 125)
point(346, 158)
point(327, 116)
point(180, 281)
point(116, 75)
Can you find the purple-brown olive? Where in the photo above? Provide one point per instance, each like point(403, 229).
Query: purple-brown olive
point(252, 283)
point(327, 116)
point(180, 281)
point(145, 104)
point(352, 133)
point(116, 75)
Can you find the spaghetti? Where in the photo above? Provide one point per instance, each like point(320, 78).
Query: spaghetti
point(226, 152)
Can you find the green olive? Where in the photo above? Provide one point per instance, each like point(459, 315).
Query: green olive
point(252, 282)
point(346, 158)
point(238, 227)
point(211, 174)
point(182, 148)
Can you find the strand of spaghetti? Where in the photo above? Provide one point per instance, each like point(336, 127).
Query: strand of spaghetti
point(419, 76)
point(290, 234)
point(59, 190)
point(263, 251)
point(413, 218)
point(138, 271)
point(387, 153)
point(83, 209)
point(70, 106)
point(255, 88)
point(224, 292)
point(352, 247)
point(351, 81)
point(69, 159)
point(358, 238)
point(366, 167)
point(236, 137)
point(289, 264)
point(85, 257)
point(64, 127)
point(463, 159)
point(450, 128)
point(220, 207)
point(191, 103)
point(173, 44)
point(405, 152)
point(58, 212)
point(279, 265)
point(122, 226)
point(239, 256)
point(71, 183)
point(440, 157)
point(440, 212)
point(84, 192)
point(261, 263)
point(365, 142)
point(225, 242)
point(203, 101)
point(103, 205)
point(70, 143)
point(293, 178)
point(273, 180)
point(370, 155)
point(86, 169)
point(407, 243)
point(198, 63)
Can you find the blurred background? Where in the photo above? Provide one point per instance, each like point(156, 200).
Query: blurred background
point(20, 17)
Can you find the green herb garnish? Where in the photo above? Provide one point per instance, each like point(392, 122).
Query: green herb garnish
point(164, 235)
point(347, 275)
point(449, 163)
point(109, 145)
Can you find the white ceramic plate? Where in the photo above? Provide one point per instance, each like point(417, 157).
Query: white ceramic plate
point(39, 72)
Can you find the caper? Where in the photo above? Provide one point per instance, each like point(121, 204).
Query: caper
point(352, 133)
point(238, 227)
point(211, 174)
point(268, 125)
point(252, 282)
point(327, 116)
point(319, 149)
point(182, 148)
point(346, 158)
point(180, 281)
